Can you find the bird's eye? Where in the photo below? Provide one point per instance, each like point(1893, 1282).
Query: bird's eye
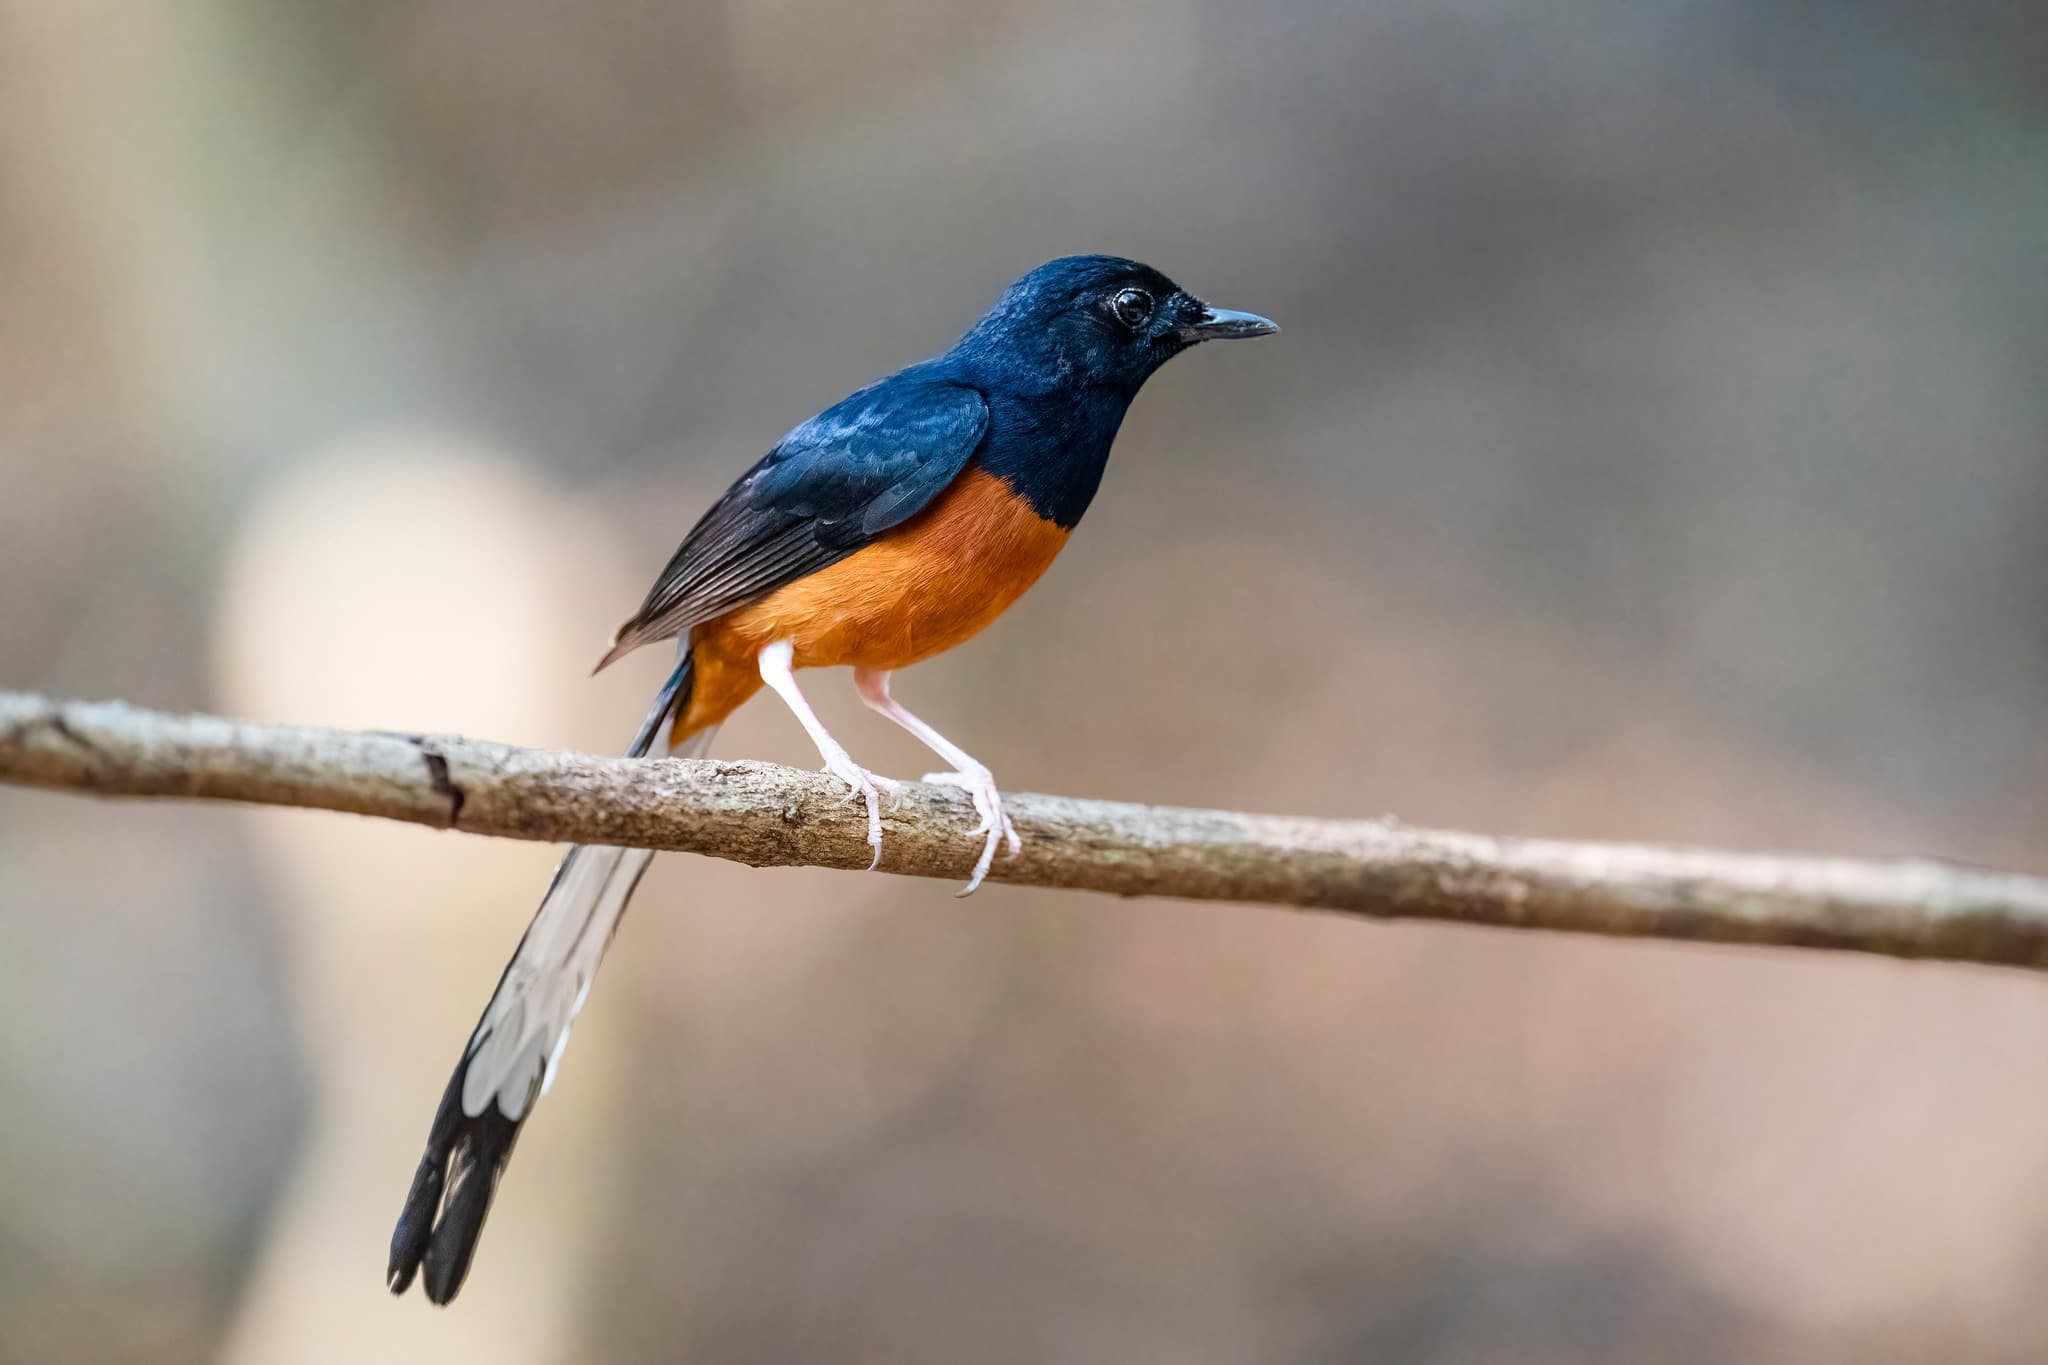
point(1133, 308)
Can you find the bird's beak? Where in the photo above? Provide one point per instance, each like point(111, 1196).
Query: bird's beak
point(1225, 324)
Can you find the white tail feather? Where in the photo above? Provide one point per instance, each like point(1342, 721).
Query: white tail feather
point(518, 1043)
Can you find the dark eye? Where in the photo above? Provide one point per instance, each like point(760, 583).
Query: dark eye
point(1133, 308)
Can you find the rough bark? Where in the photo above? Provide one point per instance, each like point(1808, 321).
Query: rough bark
point(769, 816)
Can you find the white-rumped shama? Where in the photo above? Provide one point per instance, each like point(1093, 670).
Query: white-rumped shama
point(893, 525)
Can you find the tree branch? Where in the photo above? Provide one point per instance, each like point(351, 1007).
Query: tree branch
point(767, 816)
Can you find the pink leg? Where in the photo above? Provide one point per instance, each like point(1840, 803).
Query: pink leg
point(969, 774)
point(777, 672)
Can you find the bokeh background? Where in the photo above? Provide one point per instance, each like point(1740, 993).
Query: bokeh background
point(1657, 449)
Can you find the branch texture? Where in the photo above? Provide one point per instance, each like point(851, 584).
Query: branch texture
point(771, 816)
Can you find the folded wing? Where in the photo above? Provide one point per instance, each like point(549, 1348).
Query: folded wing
point(856, 470)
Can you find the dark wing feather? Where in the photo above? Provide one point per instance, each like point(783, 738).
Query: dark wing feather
point(866, 464)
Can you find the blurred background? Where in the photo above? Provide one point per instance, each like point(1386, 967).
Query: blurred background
point(1657, 449)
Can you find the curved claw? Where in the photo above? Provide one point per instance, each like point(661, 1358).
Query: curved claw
point(867, 788)
point(995, 821)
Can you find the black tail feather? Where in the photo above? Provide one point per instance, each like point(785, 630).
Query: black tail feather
point(668, 706)
point(451, 1192)
point(465, 1156)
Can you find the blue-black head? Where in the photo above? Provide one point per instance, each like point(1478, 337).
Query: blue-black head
point(1092, 322)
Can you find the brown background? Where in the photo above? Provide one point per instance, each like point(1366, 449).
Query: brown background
point(1657, 448)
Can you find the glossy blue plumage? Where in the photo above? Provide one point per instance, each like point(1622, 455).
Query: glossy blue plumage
point(1059, 373)
point(1034, 392)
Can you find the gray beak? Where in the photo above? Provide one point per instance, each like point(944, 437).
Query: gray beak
point(1226, 324)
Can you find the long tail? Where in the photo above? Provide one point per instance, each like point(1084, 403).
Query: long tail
point(511, 1056)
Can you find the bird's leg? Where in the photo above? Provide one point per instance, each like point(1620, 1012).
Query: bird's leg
point(969, 773)
point(778, 673)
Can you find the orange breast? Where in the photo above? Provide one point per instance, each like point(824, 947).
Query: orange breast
point(924, 587)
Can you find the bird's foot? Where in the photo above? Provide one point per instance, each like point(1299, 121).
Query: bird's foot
point(980, 786)
point(866, 787)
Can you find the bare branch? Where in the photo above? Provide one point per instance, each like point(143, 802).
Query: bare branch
point(766, 815)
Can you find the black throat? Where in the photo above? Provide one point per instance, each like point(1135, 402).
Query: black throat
point(1051, 448)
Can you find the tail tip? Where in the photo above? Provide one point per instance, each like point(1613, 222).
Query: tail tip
point(443, 1218)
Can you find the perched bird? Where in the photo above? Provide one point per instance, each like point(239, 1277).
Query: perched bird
point(893, 525)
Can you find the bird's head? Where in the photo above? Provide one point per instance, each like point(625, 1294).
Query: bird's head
point(1089, 321)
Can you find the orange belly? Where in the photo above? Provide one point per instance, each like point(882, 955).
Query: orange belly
point(924, 587)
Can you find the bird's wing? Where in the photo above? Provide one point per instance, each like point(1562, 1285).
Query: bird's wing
point(868, 463)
